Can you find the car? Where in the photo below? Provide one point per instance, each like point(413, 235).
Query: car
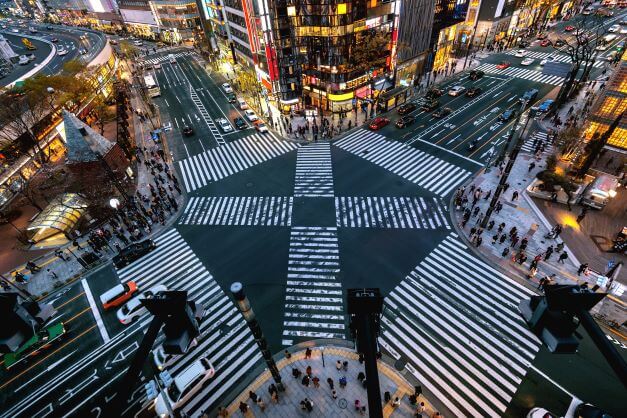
point(62, 52)
point(187, 131)
point(569, 28)
point(49, 28)
point(378, 123)
point(527, 61)
point(542, 36)
point(260, 126)
point(473, 92)
point(588, 10)
point(227, 88)
point(443, 112)
point(623, 31)
point(406, 108)
point(15, 30)
point(524, 44)
point(507, 115)
point(134, 308)
point(456, 91)
point(503, 65)
point(545, 43)
point(529, 96)
point(405, 121)
point(117, 295)
point(224, 125)
point(549, 58)
point(41, 340)
point(240, 123)
point(133, 252)
point(241, 103)
point(161, 359)
point(559, 43)
point(113, 42)
point(157, 66)
point(171, 59)
point(250, 115)
point(430, 105)
point(476, 75)
point(520, 53)
point(184, 386)
point(55, 40)
point(23, 60)
point(231, 97)
point(32, 30)
point(545, 106)
point(602, 47)
point(434, 93)
point(138, 43)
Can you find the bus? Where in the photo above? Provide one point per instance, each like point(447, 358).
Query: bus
point(152, 88)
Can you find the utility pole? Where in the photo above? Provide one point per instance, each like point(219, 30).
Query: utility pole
point(510, 163)
point(249, 315)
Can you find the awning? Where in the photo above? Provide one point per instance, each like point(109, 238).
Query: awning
point(60, 216)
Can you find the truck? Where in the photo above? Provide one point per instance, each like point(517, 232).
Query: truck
point(38, 342)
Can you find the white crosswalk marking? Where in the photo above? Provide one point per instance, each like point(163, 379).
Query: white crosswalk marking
point(525, 73)
point(536, 139)
point(244, 211)
point(165, 58)
point(455, 320)
point(205, 116)
point(314, 306)
point(390, 212)
point(425, 170)
point(557, 57)
point(233, 157)
point(224, 336)
point(314, 173)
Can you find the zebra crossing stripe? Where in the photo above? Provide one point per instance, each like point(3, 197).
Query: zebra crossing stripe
point(538, 137)
point(524, 73)
point(313, 296)
point(238, 211)
point(224, 338)
point(314, 172)
point(469, 349)
point(425, 170)
point(230, 158)
point(556, 57)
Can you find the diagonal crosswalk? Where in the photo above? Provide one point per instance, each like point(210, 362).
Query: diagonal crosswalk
point(524, 73)
point(425, 170)
point(455, 320)
point(314, 302)
point(536, 139)
point(164, 58)
point(556, 57)
point(205, 116)
point(390, 212)
point(237, 210)
point(314, 173)
point(233, 157)
point(224, 336)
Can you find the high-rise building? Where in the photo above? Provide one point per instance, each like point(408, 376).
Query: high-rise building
point(178, 20)
point(139, 18)
point(449, 31)
point(414, 38)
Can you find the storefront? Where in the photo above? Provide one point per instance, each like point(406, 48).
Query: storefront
point(392, 98)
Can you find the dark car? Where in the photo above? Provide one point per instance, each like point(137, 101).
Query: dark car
point(523, 44)
point(378, 123)
point(434, 93)
point(430, 105)
point(231, 97)
point(55, 40)
point(559, 43)
point(188, 131)
point(475, 75)
point(440, 113)
point(133, 252)
point(405, 121)
point(507, 115)
point(240, 123)
point(406, 108)
point(473, 92)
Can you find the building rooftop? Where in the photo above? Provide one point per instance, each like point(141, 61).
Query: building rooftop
point(82, 142)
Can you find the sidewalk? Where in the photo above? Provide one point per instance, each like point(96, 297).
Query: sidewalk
point(288, 405)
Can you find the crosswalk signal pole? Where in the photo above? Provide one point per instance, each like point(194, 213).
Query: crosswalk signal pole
point(249, 315)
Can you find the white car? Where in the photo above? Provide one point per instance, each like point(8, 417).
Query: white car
point(62, 52)
point(157, 66)
point(227, 88)
point(623, 31)
point(456, 91)
point(23, 60)
point(15, 30)
point(602, 47)
point(184, 386)
point(138, 43)
point(527, 61)
point(250, 115)
point(550, 58)
point(521, 53)
point(224, 125)
point(260, 126)
point(134, 308)
point(163, 360)
point(614, 28)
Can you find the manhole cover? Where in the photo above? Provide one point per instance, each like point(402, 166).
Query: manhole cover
point(342, 403)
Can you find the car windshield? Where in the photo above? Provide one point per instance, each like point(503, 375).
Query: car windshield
point(174, 393)
point(125, 310)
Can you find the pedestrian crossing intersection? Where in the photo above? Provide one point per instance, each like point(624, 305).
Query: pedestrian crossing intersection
point(556, 57)
point(390, 212)
point(313, 296)
point(455, 320)
point(427, 171)
point(164, 58)
point(238, 210)
point(537, 138)
point(524, 73)
point(314, 173)
point(224, 336)
point(230, 158)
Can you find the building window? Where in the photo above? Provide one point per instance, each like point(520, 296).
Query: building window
point(341, 9)
point(291, 11)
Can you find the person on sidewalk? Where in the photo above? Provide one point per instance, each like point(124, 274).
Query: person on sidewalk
point(330, 382)
point(59, 254)
point(582, 268)
point(52, 274)
point(582, 215)
point(34, 268)
point(515, 196)
point(308, 371)
point(563, 257)
point(308, 353)
point(548, 252)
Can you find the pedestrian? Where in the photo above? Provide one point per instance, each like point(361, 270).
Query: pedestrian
point(343, 382)
point(243, 407)
point(387, 397)
point(275, 397)
point(272, 388)
point(548, 252)
point(582, 215)
point(338, 365)
point(308, 353)
point(52, 273)
point(59, 254)
point(563, 257)
point(515, 195)
point(559, 247)
point(316, 382)
point(357, 405)
point(305, 381)
point(223, 412)
point(514, 239)
point(495, 238)
point(513, 231)
point(475, 211)
point(396, 402)
point(501, 227)
point(330, 382)
point(478, 241)
point(505, 252)
point(557, 230)
point(361, 376)
point(532, 272)
point(532, 165)
point(490, 225)
point(308, 371)
point(34, 268)
point(345, 366)
point(361, 358)
point(296, 373)
point(252, 396)
point(487, 195)
point(502, 239)
point(261, 404)
point(534, 263)
point(334, 394)
point(582, 268)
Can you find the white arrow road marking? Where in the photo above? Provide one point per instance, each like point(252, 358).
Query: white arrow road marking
point(123, 354)
point(453, 140)
point(69, 393)
point(488, 152)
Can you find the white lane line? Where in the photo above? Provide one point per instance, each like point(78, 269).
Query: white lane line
point(94, 310)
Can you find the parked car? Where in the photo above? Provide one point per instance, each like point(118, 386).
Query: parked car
point(117, 295)
point(187, 131)
point(240, 123)
point(378, 123)
point(503, 65)
point(507, 115)
point(476, 75)
point(443, 112)
point(545, 106)
point(405, 121)
point(241, 103)
point(434, 93)
point(473, 92)
point(184, 386)
point(224, 125)
point(406, 108)
point(456, 91)
point(520, 53)
point(527, 61)
point(250, 115)
point(227, 88)
point(430, 105)
point(260, 126)
point(134, 308)
point(231, 97)
point(133, 252)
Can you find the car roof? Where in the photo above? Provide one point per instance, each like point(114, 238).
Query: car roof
point(113, 291)
point(188, 375)
point(134, 302)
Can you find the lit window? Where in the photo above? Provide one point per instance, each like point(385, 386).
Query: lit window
point(291, 10)
point(341, 9)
